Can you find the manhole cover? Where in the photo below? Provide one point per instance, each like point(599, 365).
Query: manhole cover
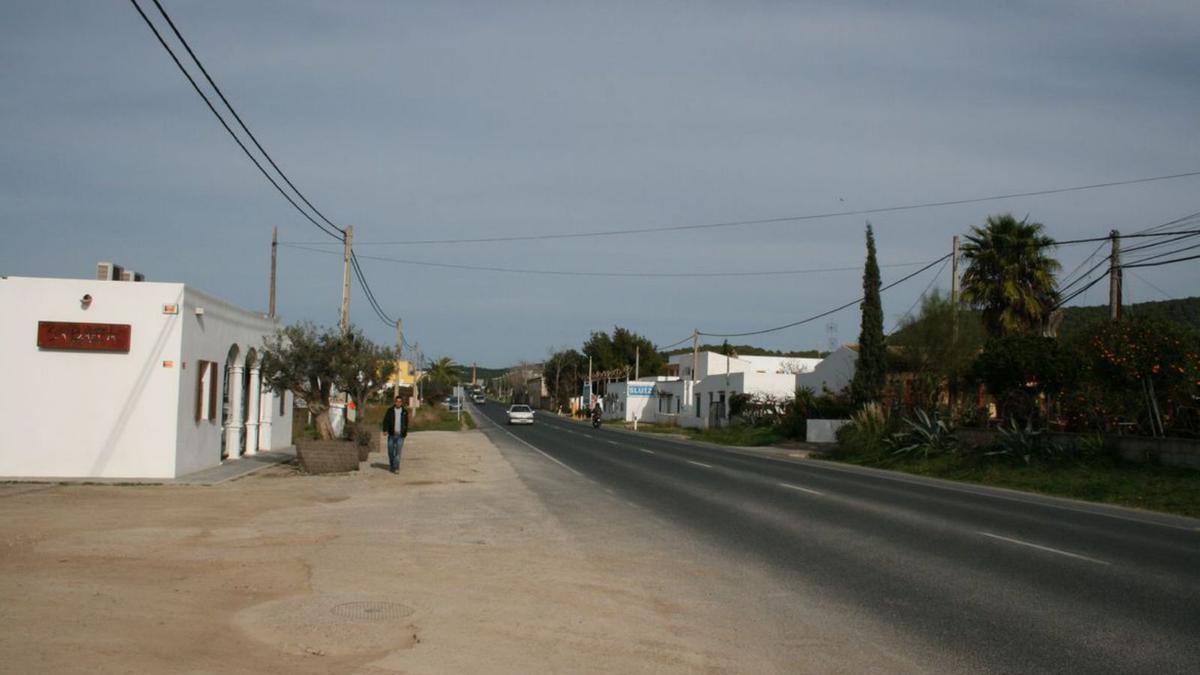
point(372, 611)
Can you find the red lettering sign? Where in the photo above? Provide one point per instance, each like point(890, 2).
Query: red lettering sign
point(97, 337)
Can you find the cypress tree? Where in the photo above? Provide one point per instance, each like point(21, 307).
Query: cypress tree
point(868, 381)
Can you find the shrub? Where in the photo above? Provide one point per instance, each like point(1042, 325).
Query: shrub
point(1019, 370)
point(867, 432)
point(1024, 443)
point(925, 433)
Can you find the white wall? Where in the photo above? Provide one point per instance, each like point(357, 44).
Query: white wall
point(834, 373)
point(95, 414)
point(209, 337)
point(72, 414)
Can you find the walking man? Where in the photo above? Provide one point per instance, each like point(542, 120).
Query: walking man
point(395, 425)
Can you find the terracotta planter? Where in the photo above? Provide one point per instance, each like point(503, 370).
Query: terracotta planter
point(327, 456)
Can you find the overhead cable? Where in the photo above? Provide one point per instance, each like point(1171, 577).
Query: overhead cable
point(782, 219)
point(333, 233)
point(827, 312)
point(238, 117)
point(579, 273)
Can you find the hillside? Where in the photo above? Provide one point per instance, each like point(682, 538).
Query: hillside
point(1077, 320)
point(749, 350)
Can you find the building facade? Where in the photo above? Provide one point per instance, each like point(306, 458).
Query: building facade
point(128, 379)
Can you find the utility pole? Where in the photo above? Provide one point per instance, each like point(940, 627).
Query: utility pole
point(399, 352)
point(955, 288)
point(347, 240)
point(695, 351)
point(637, 361)
point(274, 255)
point(1114, 277)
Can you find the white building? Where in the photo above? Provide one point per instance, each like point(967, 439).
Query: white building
point(696, 392)
point(128, 379)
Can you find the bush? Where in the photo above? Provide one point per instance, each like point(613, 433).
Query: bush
point(1019, 370)
point(1024, 443)
point(808, 405)
point(867, 433)
point(927, 434)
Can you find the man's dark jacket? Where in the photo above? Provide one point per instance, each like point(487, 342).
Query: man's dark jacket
point(389, 421)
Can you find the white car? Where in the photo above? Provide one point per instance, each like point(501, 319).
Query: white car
point(520, 414)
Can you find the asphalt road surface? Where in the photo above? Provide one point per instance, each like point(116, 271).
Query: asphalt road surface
point(1001, 581)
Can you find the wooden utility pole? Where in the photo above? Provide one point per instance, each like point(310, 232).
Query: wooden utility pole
point(955, 288)
point(348, 241)
point(274, 255)
point(637, 361)
point(1114, 277)
point(695, 351)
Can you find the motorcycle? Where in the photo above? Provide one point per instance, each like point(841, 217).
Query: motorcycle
point(596, 422)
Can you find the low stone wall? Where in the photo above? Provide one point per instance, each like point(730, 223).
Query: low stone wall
point(1181, 452)
point(327, 456)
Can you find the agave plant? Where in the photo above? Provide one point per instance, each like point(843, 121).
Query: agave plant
point(926, 433)
point(1024, 443)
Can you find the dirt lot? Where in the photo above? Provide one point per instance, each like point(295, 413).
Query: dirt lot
point(452, 566)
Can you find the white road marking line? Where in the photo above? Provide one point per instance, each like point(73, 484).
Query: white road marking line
point(648, 452)
point(612, 442)
point(707, 466)
point(802, 489)
point(1044, 548)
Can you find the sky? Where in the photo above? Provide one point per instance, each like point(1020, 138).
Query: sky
point(459, 120)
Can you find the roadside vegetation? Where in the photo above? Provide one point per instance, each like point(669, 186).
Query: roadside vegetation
point(989, 393)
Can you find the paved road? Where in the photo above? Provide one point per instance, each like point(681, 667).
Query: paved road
point(1004, 581)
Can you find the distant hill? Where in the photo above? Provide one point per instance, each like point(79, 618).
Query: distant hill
point(464, 372)
point(1077, 320)
point(1185, 311)
point(750, 350)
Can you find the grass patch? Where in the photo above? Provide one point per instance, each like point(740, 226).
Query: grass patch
point(437, 418)
point(1106, 480)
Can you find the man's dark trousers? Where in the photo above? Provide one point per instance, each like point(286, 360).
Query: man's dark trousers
point(395, 444)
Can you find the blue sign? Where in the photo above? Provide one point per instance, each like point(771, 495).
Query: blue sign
point(641, 390)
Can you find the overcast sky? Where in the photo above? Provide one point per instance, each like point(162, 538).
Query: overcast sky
point(439, 120)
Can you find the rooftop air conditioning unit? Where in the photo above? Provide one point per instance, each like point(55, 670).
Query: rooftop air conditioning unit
point(106, 271)
point(131, 275)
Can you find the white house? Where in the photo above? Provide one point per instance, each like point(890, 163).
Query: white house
point(697, 390)
point(130, 379)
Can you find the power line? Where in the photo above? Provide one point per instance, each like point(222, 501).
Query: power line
point(238, 117)
point(578, 273)
point(1165, 253)
point(827, 312)
point(783, 219)
point(1144, 281)
point(362, 279)
point(1163, 262)
point(920, 297)
point(225, 124)
point(337, 232)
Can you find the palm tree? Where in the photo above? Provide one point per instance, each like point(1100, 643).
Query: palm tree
point(1009, 276)
point(444, 370)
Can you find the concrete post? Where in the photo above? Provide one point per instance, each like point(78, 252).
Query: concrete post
point(266, 409)
point(233, 425)
point(252, 401)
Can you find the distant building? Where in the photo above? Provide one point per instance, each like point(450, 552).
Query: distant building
point(130, 379)
point(697, 390)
